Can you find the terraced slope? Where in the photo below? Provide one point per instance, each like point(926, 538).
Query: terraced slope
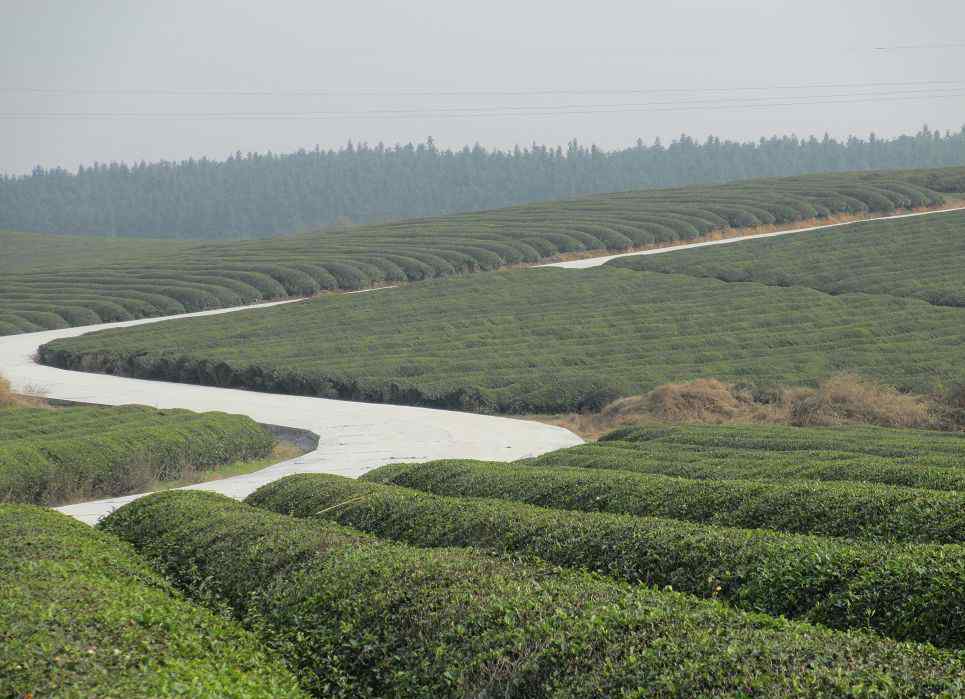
point(543, 340)
point(915, 257)
point(50, 284)
point(48, 457)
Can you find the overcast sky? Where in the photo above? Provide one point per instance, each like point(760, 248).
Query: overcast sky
point(497, 72)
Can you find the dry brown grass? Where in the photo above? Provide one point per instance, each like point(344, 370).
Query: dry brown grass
point(848, 399)
point(30, 398)
point(842, 399)
point(702, 400)
point(6, 392)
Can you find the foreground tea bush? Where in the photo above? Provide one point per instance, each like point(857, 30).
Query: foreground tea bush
point(82, 616)
point(906, 592)
point(857, 511)
point(49, 457)
point(47, 282)
point(363, 617)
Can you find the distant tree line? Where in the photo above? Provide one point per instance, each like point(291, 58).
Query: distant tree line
point(260, 195)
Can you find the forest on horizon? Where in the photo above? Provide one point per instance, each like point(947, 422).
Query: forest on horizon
point(261, 195)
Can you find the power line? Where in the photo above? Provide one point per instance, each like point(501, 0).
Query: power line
point(909, 47)
point(453, 93)
point(537, 111)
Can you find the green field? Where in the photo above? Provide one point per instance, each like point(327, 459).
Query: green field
point(49, 282)
point(915, 257)
point(81, 615)
point(359, 616)
point(54, 456)
point(546, 340)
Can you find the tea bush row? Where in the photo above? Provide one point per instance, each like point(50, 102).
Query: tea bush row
point(108, 452)
point(359, 617)
point(718, 463)
point(906, 592)
point(915, 257)
point(928, 446)
point(82, 616)
point(851, 510)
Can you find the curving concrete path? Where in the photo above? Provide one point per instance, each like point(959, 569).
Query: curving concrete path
point(354, 437)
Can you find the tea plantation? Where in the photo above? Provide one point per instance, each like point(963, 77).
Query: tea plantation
point(49, 457)
point(532, 579)
point(355, 615)
point(915, 257)
point(906, 592)
point(545, 340)
point(49, 282)
point(660, 561)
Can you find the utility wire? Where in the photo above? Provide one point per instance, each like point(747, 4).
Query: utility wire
point(538, 111)
point(909, 47)
point(453, 93)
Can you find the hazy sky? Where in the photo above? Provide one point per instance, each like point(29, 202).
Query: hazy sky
point(497, 72)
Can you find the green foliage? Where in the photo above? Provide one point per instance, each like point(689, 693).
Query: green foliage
point(49, 457)
point(258, 195)
point(48, 282)
point(547, 340)
point(82, 616)
point(852, 510)
point(939, 448)
point(912, 458)
point(906, 592)
point(358, 617)
point(904, 257)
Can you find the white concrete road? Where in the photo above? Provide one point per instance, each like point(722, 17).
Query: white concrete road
point(354, 437)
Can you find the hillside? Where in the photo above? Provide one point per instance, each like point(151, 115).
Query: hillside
point(260, 195)
point(546, 340)
point(81, 281)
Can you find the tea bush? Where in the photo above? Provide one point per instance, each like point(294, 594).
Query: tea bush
point(82, 616)
point(906, 592)
point(49, 457)
point(851, 510)
point(357, 617)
